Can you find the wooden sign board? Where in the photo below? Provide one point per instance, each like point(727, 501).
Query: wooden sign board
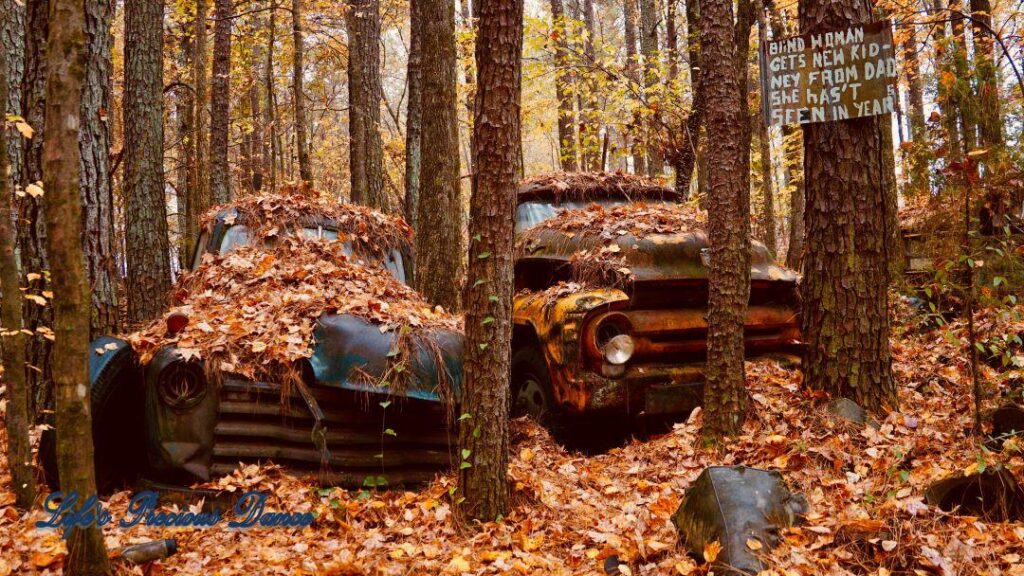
point(829, 76)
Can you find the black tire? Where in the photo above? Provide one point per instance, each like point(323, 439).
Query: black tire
point(116, 407)
point(530, 389)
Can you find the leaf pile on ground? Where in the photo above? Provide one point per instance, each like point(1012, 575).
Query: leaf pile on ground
point(269, 216)
point(253, 310)
point(576, 514)
point(589, 184)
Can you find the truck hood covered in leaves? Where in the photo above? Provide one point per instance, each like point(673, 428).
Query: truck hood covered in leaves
point(255, 311)
point(632, 243)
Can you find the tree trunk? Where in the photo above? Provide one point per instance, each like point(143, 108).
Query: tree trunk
point(990, 119)
point(728, 221)
point(567, 152)
point(301, 139)
point(199, 200)
point(12, 42)
point(97, 197)
point(364, 85)
point(439, 243)
point(845, 287)
point(483, 437)
point(32, 228)
point(66, 62)
point(792, 143)
point(633, 75)
point(671, 40)
point(270, 115)
point(258, 144)
point(184, 112)
point(146, 244)
point(685, 156)
point(220, 103)
point(651, 77)
point(918, 156)
point(414, 113)
point(19, 448)
point(765, 151)
point(590, 123)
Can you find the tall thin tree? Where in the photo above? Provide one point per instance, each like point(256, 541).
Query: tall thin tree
point(66, 60)
point(146, 242)
point(728, 219)
point(299, 96)
point(414, 113)
point(440, 207)
point(19, 448)
point(220, 102)
point(651, 77)
point(567, 152)
point(483, 437)
point(199, 200)
point(97, 197)
point(364, 85)
point(846, 277)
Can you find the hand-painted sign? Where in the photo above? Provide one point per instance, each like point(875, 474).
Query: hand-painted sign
point(829, 76)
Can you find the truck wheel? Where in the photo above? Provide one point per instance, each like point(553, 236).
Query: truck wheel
point(531, 387)
point(116, 407)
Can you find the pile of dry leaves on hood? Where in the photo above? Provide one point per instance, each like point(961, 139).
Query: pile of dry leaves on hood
point(595, 234)
point(253, 310)
point(572, 513)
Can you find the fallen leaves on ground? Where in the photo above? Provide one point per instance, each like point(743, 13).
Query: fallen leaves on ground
point(572, 512)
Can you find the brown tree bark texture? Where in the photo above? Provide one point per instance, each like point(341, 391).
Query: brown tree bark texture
point(767, 215)
point(146, 243)
point(364, 81)
point(31, 221)
point(649, 49)
point(684, 158)
point(728, 219)
point(496, 144)
point(298, 95)
point(631, 18)
point(199, 193)
point(567, 153)
point(220, 102)
point(990, 119)
point(184, 103)
point(270, 112)
point(12, 42)
point(915, 89)
point(793, 150)
point(66, 61)
point(439, 238)
point(97, 196)
point(414, 113)
point(845, 287)
point(19, 448)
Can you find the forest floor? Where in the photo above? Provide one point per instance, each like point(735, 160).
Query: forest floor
point(571, 512)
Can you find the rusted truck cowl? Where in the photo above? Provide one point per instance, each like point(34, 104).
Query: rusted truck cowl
point(635, 347)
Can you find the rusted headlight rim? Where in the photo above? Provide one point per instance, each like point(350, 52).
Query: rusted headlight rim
point(181, 385)
point(602, 329)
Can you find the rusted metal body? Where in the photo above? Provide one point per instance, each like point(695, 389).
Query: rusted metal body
point(663, 309)
point(336, 416)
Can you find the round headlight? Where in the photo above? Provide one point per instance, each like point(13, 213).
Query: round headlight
point(619, 350)
point(181, 385)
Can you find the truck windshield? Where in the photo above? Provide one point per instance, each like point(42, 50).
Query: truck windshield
point(529, 214)
point(238, 235)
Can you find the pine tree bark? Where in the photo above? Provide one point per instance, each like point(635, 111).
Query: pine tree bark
point(440, 216)
point(629, 12)
point(199, 200)
point(364, 85)
point(793, 149)
point(32, 228)
point(728, 220)
point(496, 146)
point(19, 448)
point(184, 112)
point(270, 113)
point(590, 124)
point(651, 78)
point(918, 157)
point(845, 287)
point(767, 215)
point(991, 117)
point(299, 96)
point(684, 157)
point(66, 63)
point(146, 242)
point(220, 102)
point(258, 142)
point(12, 42)
point(414, 113)
point(97, 196)
point(567, 153)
